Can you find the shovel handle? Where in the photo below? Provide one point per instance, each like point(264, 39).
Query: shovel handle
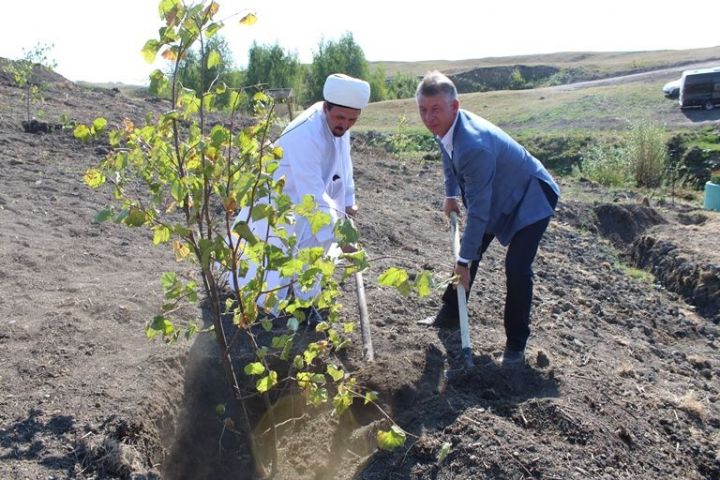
point(368, 351)
point(462, 300)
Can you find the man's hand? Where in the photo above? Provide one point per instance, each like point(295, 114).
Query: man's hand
point(451, 205)
point(463, 274)
point(351, 211)
point(349, 248)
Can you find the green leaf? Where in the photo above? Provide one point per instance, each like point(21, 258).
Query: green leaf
point(293, 324)
point(255, 368)
point(99, 124)
point(149, 51)
point(291, 267)
point(266, 383)
point(103, 215)
point(163, 325)
point(260, 211)
point(168, 280)
point(280, 341)
point(318, 220)
point(444, 451)
point(392, 439)
point(298, 362)
point(214, 59)
point(370, 397)
point(150, 333)
point(192, 329)
point(82, 132)
point(94, 178)
point(135, 217)
point(345, 232)
point(309, 356)
point(212, 29)
point(244, 232)
point(396, 277)
point(235, 99)
point(318, 396)
point(249, 19)
point(218, 135)
point(161, 234)
point(393, 277)
point(303, 379)
point(335, 373)
point(114, 138)
point(208, 101)
point(423, 284)
point(342, 402)
point(159, 82)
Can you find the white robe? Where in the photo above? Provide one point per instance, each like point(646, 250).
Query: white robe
point(314, 162)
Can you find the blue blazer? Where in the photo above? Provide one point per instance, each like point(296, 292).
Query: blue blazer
point(499, 182)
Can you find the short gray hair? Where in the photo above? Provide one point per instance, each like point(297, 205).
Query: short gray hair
point(434, 83)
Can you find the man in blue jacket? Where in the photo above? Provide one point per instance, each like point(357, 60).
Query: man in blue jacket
point(507, 194)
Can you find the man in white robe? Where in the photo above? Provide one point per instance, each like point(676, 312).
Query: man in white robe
point(316, 161)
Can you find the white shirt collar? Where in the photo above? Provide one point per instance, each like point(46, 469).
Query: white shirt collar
point(447, 139)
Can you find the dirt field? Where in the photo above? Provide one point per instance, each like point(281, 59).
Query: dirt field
point(622, 374)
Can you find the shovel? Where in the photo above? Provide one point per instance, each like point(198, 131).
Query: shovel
point(368, 352)
point(462, 300)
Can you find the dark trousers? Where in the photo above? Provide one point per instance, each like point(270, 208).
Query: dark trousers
point(519, 277)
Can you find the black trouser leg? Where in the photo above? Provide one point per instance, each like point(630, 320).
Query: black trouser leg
point(518, 270)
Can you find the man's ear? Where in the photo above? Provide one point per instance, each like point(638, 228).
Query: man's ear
point(456, 105)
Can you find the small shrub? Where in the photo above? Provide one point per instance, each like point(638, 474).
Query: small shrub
point(24, 73)
point(648, 154)
point(605, 164)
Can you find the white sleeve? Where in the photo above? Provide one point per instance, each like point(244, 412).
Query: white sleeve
point(349, 178)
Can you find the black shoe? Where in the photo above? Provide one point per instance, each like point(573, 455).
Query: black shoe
point(442, 319)
point(512, 358)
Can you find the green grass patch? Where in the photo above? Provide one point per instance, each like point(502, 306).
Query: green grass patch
point(636, 273)
point(551, 110)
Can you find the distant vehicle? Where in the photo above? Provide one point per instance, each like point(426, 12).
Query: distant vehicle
point(700, 88)
point(672, 89)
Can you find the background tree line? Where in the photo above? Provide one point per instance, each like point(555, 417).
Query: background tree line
point(272, 67)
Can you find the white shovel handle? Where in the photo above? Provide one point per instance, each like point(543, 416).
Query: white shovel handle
point(462, 301)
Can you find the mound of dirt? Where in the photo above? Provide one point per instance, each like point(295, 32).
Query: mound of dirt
point(621, 380)
point(621, 224)
point(686, 260)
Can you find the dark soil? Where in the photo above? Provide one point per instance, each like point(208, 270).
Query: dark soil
point(622, 373)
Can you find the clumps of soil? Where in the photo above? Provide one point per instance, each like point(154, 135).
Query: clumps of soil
point(622, 223)
point(117, 449)
point(633, 228)
point(695, 280)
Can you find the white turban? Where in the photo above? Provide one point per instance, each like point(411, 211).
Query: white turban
point(346, 91)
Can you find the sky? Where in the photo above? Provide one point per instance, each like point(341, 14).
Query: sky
point(100, 40)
